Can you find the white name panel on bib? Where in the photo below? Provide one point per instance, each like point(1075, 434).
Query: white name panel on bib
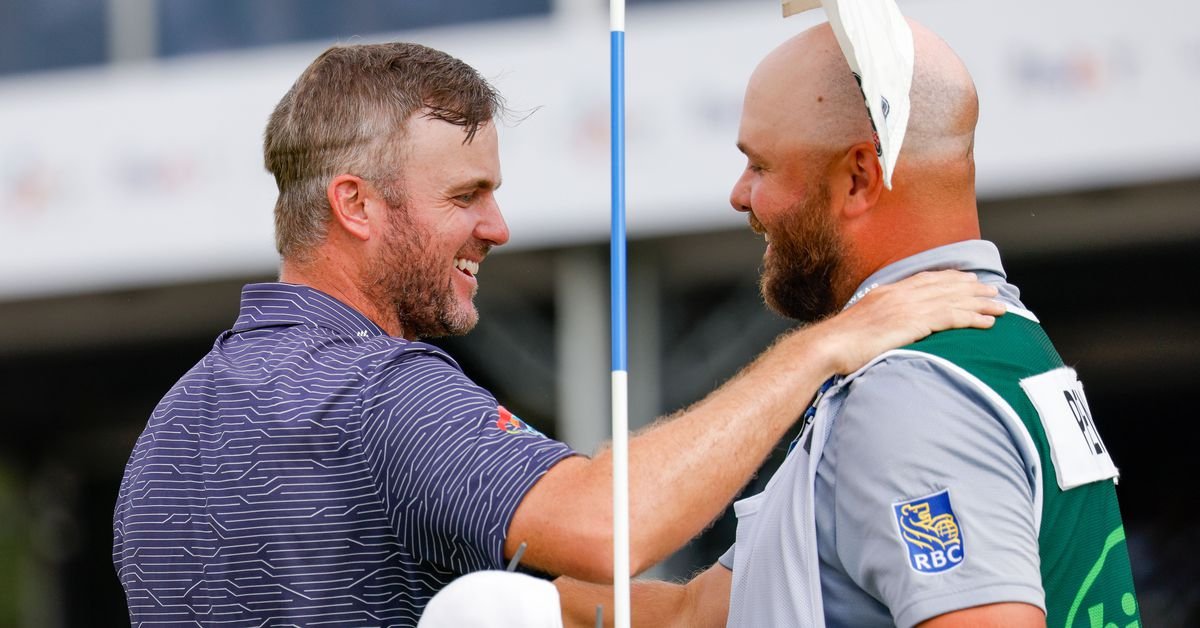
point(1079, 455)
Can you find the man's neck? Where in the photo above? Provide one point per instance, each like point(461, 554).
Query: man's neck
point(899, 232)
point(339, 282)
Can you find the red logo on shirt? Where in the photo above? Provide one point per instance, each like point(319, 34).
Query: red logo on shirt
point(511, 424)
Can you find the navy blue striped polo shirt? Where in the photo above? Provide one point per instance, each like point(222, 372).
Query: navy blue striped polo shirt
point(312, 470)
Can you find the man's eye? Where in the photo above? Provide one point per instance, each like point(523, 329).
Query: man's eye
point(755, 168)
point(465, 198)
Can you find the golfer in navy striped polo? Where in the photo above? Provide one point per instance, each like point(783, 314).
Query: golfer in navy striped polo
point(323, 466)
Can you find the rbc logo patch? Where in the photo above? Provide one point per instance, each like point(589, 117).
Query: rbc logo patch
point(930, 530)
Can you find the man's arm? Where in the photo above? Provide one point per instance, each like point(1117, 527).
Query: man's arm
point(949, 454)
point(685, 470)
point(701, 603)
point(704, 603)
point(1005, 615)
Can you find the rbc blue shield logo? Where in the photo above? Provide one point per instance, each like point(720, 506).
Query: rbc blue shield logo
point(930, 531)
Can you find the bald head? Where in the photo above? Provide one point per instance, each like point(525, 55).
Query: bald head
point(813, 183)
point(805, 90)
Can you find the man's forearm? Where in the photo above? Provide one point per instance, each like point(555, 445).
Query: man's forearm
point(701, 603)
point(685, 469)
point(653, 604)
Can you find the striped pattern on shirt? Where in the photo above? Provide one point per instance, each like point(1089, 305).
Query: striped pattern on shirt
point(311, 470)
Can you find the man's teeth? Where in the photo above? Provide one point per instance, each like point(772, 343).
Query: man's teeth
point(466, 265)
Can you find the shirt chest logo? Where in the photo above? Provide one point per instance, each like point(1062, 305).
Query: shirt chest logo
point(930, 533)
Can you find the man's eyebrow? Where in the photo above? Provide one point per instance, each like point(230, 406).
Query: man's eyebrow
point(747, 151)
point(481, 184)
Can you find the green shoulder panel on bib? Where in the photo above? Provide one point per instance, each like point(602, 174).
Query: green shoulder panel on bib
point(1085, 561)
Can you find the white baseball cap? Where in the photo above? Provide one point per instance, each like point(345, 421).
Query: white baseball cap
point(494, 599)
point(878, 45)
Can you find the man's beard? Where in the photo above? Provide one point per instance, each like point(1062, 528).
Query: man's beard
point(801, 276)
point(416, 284)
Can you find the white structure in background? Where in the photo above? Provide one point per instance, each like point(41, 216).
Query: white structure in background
point(146, 173)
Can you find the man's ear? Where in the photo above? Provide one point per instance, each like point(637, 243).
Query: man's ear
point(347, 196)
point(864, 171)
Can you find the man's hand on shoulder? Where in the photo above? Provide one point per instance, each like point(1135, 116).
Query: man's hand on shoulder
point(897, 314)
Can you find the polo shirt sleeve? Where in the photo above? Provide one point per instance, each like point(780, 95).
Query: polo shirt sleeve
point(726, 559)
point(449, 463)
point(913, 433)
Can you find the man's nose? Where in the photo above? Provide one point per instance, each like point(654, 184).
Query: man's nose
point(739, 197)
point(492, 228)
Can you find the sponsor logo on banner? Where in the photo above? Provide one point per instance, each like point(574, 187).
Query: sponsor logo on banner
point(930, 532)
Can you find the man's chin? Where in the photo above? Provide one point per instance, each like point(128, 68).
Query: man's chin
point(790, 304)
point(777, 304)
point(467, 319)
point(459, 325)
point(786, 310)
point(465, 327)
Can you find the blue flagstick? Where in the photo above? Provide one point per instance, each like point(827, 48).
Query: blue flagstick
point(620, 376)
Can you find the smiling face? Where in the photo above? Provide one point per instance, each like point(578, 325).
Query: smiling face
point(785, 191)
point(813, 183)
point(804, 262)
point(440, 226)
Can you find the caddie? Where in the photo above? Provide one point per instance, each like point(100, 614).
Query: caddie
point(958, 481)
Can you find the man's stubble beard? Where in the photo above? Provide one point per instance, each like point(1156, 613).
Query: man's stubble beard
point(414, 284)
point(803, 275)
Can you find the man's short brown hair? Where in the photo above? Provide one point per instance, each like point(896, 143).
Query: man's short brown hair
point(346, 113)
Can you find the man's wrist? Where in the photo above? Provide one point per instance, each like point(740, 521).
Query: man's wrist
point(820, 347)
point(827, 346)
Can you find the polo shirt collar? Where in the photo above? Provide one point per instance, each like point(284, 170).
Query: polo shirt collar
point(973, 256)
point(280, 304)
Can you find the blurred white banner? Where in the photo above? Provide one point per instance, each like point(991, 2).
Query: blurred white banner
point(139, 175)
